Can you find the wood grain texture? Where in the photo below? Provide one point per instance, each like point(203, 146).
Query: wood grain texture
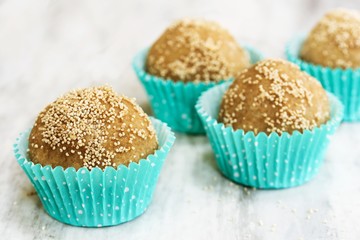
point(50, 47)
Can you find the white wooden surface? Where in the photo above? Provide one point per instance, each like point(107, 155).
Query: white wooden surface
point(50, 47)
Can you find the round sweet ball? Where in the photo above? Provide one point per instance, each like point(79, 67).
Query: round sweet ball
point(196, 50)
point(274, 96)
point(335, 41)
point(91, 127)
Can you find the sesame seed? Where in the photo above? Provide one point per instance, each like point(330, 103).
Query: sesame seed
point(281, 85)
point(196, 50)
point(334, 41)
point(85, 124)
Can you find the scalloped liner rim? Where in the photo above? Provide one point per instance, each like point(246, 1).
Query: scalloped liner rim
point(338, 114)
point(138, 64)
point(295, 57)
point(170, 139)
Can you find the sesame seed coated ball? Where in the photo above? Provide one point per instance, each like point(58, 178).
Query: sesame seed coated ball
point(274, 96)
point(196, 50)
point(91, 127)
point(335, 40)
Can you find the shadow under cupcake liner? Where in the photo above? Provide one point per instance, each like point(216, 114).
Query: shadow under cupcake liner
point(343, 83)
point(96, 198)
point(265, 161)
point(174, 102)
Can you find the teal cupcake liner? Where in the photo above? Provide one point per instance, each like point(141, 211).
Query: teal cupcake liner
point(174, 102)
point(265, 161)
point(96, 198)
point(343, 83)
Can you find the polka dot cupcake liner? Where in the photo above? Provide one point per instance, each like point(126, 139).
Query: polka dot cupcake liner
point(265, 161)
point(343, 83)
point(96, 198)
point(174, 102)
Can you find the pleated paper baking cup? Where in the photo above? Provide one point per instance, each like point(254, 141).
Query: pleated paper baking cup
point(265, 161)
point(96, 198)
point(174, 102)
point(343, 83)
